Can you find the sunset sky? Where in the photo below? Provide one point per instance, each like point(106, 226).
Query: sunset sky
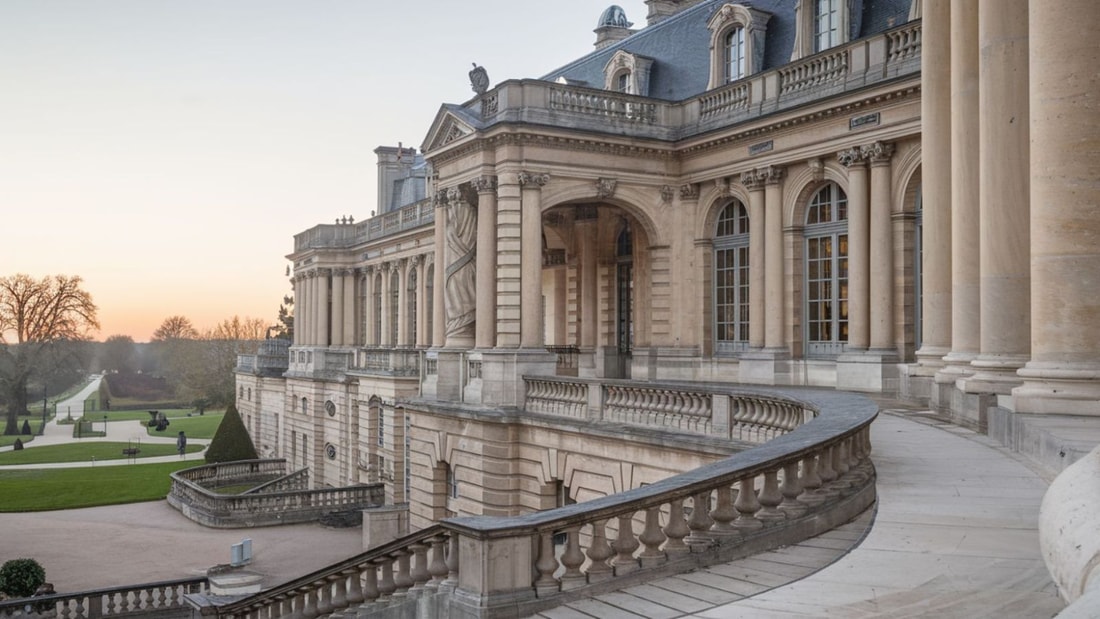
point(167, 151)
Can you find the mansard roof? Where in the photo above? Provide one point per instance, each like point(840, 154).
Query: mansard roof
point(679, 45)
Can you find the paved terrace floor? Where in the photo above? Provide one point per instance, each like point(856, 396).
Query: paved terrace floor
point(953, 536)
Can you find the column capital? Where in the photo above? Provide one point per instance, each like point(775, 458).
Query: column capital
point(605, 187)
point(484, 184)
point(772, 174)
point(342, 271)
point(850, 157)
point(531, 180)
point(753, 180)
point(689, 191)
point(878, 153)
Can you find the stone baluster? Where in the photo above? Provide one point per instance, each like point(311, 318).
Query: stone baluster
point(420, 574)
point(625, 545)
point(355, 595)
point(402, 577)
point(827, 473)
point(652, 538)
point(572, 559)
point(452, 562)
point(386, 586)
point(676, 530)
point(340, 591)
point(747, 505)
point(546, 565)
point(723, 512)
point(791, 488)
point(770, 498)
point(598, 553)
point(840, 465)
point(308, 596)
point(699, 539)
point(285, 606)
point(438, 566)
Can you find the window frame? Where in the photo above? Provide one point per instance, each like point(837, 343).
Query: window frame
point(736, 244)
point(835, 231)
point(723, 24)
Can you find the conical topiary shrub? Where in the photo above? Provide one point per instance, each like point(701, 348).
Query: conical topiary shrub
point(231, 442)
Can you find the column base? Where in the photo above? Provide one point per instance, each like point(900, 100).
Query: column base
point(770, 366)
point(1058, 388)
point(873, 371)
point(993, 374)
point(502, 373)
point(956, 365)
point(970, 410)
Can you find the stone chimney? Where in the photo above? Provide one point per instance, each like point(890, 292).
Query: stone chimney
point(659, 10)
point(393, 164)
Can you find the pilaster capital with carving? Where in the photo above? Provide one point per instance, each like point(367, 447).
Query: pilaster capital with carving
point(605, 187)
point(753, 180)
point(341, 271)
point(439, 200)
point(851, 157)
point(689, 191)
point(878, 153)
point(772, 174)
point(531, 180)
point(484, 184)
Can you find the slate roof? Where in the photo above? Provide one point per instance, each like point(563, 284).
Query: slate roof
point(679, 45)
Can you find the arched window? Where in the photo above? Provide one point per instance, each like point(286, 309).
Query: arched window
point(305, 406)
point(826, 281)
point(731, 279)
point(735, 54)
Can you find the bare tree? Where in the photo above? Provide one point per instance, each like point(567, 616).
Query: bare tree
point(36, 315)
point(175, 328)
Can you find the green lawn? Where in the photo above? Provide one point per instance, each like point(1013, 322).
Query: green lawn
point(46, 489)
point(85, 452)
point(36, 425)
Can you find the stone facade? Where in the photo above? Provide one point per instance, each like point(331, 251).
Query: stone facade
point(854, 212)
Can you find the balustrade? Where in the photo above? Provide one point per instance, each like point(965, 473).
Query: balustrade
point(159, 597)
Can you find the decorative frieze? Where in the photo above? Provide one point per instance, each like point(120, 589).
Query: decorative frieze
point(850, 157)
point(689, 191)
point(753, 180)
point(772, 174)
point(533, 180)
point(878, 153)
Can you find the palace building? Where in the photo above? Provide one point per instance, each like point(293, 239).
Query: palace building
point(895, 197)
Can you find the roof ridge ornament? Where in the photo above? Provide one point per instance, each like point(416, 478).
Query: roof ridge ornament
point(479, 79)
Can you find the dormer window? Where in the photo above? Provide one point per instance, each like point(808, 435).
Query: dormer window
point(736, 43)
point(824, 24)
point(735, 54)
point(627, 73)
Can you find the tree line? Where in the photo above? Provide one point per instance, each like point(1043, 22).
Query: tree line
point(46, 347)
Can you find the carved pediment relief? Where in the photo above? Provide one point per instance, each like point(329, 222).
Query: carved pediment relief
point(446, 129)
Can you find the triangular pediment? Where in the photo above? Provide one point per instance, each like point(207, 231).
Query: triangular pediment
point(446, 128)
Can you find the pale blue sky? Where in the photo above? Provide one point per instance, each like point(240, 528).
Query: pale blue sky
point(168, 151)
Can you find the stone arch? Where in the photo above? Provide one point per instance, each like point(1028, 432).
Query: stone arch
point(626, 198)
point(804, 183)
point(906, 179)
point(716, 201)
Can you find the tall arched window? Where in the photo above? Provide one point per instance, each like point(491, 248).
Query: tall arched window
point(827, 272)
point(735, 54)
point(731, 279)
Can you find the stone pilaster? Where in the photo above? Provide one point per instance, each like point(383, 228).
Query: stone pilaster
point(369, 313)
point(322, 305)
point(882, 249)
point(486, 320)
point(438, 306)
point(1063, 375)
point(586, 221)
point(298, 286)
point(402, 265)
point(531, 258)
point(754, 182)
point(387, 315)
point(423, 320)
point(338, 306)
point(350, 276)
point(774, 278)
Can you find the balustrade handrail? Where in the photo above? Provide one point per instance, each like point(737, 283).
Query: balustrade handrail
point(127, 591)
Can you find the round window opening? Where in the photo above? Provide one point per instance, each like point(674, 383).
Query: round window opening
point(330, 451)
point(330, 408)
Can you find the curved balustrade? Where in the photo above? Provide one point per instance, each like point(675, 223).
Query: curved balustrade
point(279, 501)
point(812, 478)
point(151, 599)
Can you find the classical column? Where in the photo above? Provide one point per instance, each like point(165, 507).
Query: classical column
point(1004, 186)
point(338, 275)
point(309, 292)
point(350, 304)
point(439, 317)
point(586, 221)
point(369, 316)
point(385, 310)
point(935, 185)
point(754, 182)
point(882, 248)
point(531, 259)
point(323, 307)
point(485, 335)
point(774, 282)
point(1063, 375)
point(422, 317)
point(402, 303)
point(859, 254)
point(965, 251)
point(298, 286)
